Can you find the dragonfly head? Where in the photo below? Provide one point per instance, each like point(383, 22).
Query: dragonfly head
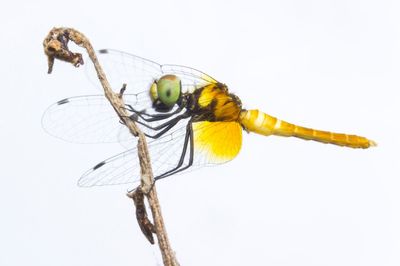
point(166, 92)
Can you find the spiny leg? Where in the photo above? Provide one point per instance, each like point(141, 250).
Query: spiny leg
point(162, 132)
point(163, 127)
point(168, 125)
point(135, 118)
point(159, 127)
point(153, 117)
point(177, 169)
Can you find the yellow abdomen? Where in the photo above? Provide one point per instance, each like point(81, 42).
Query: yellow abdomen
point(261, 123)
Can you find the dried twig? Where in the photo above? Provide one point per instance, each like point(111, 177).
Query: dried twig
point(56, 47)
point(141, 215)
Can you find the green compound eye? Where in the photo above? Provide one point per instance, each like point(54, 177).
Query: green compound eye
point(169, 89)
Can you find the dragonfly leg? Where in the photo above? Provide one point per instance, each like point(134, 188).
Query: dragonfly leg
point(169, 122)
point(153, 117)
point(162, 132)
point(166, 127)
point(178, 168)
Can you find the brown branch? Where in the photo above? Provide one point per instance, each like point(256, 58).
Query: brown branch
point(56, 47)
point(141, 215)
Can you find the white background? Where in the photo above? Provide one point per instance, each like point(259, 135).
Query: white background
point(332, 65)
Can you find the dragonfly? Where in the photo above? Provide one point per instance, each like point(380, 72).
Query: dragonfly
point(190, 119)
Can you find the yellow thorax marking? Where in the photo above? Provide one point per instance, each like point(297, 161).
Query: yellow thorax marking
point(224, 108)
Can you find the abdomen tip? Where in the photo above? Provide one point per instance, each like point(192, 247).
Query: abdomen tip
point(372, 143)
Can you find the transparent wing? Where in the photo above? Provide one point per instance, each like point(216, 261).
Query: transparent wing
point(191, 78)
point(167, 151)
point(139, 73)
point(120, 68)
point(92, 119)
point(124, 168)
point(88, 119)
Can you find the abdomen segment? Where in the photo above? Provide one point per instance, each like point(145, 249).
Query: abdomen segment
point(264, 124)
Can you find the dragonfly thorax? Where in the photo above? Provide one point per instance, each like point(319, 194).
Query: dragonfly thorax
point(213, 103)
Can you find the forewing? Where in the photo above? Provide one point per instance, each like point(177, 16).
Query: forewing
point(87, 119)
point(191, 78)
point(122, 68)
point(139, 73)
